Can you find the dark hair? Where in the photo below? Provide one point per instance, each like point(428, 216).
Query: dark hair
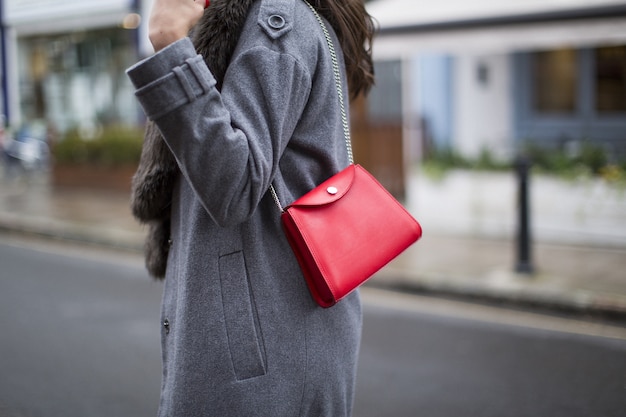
point(355, 30)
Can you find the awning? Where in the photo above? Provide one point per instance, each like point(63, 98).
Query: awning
point(488, 26)
point(30, 17)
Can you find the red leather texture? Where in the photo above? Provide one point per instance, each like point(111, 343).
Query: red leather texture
point(319, 196)
point(342, 237)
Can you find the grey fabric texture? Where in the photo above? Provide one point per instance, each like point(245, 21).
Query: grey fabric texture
point(243, 335)
point(215, 37)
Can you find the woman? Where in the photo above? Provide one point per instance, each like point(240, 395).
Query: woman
point(241, 334)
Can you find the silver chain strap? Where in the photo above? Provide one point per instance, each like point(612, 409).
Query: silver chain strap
point(275, 197)
point(338, 85)
point(333, 56)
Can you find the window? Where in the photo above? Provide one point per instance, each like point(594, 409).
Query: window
point(571, 95)
point(555, 78)
point(385, 98)
point(77, 79)
point(610, 79)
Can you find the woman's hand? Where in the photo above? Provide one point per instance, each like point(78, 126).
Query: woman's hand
point(171, 20)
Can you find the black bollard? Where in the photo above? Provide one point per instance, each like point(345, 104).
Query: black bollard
point(524, 259)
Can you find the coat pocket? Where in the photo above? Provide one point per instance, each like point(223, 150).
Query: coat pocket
point(240, 317)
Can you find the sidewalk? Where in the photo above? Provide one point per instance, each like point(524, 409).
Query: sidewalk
point(580, 278)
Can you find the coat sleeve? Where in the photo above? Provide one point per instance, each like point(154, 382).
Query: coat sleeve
point(227, 144)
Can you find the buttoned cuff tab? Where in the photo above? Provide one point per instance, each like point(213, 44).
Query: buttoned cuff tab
point(182, 79)
point(202, 76)
point(182, 85)
point(161, 63)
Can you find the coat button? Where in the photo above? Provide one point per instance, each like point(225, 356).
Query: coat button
point(276, 21)
point(166, 326)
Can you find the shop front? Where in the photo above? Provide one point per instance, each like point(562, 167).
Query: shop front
point(65, 62)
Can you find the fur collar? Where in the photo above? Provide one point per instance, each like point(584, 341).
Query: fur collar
point(217, 33)
point(215, 38)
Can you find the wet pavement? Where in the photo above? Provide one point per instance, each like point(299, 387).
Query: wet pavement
point(587, 279)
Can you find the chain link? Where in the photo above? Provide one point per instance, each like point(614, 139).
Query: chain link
point(338, 85)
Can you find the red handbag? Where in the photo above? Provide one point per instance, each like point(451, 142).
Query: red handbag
point(347, 228)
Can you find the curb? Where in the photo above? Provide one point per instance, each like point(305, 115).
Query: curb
point(513, 289)
point(578, 302)
point(72, 233)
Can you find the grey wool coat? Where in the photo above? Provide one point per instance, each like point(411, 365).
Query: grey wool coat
point(241, 335)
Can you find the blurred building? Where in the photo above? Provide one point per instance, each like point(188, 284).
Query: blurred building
point(64, 61)
point(470, 76)
point(3, 78)
point(492, 75)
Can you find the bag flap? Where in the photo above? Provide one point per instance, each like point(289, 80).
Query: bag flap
point(330, 190)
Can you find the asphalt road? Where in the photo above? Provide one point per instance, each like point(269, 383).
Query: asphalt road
point(79, 335)
point(79, 338)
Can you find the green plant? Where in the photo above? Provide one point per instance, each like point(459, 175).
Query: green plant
point(593, 157)
point(487, 162)
point(440, 160)
point(586, 159)
point(446, 158)
point(113, 146)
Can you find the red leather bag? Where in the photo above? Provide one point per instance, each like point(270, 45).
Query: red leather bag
point(345, 230)
point(348, 227)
